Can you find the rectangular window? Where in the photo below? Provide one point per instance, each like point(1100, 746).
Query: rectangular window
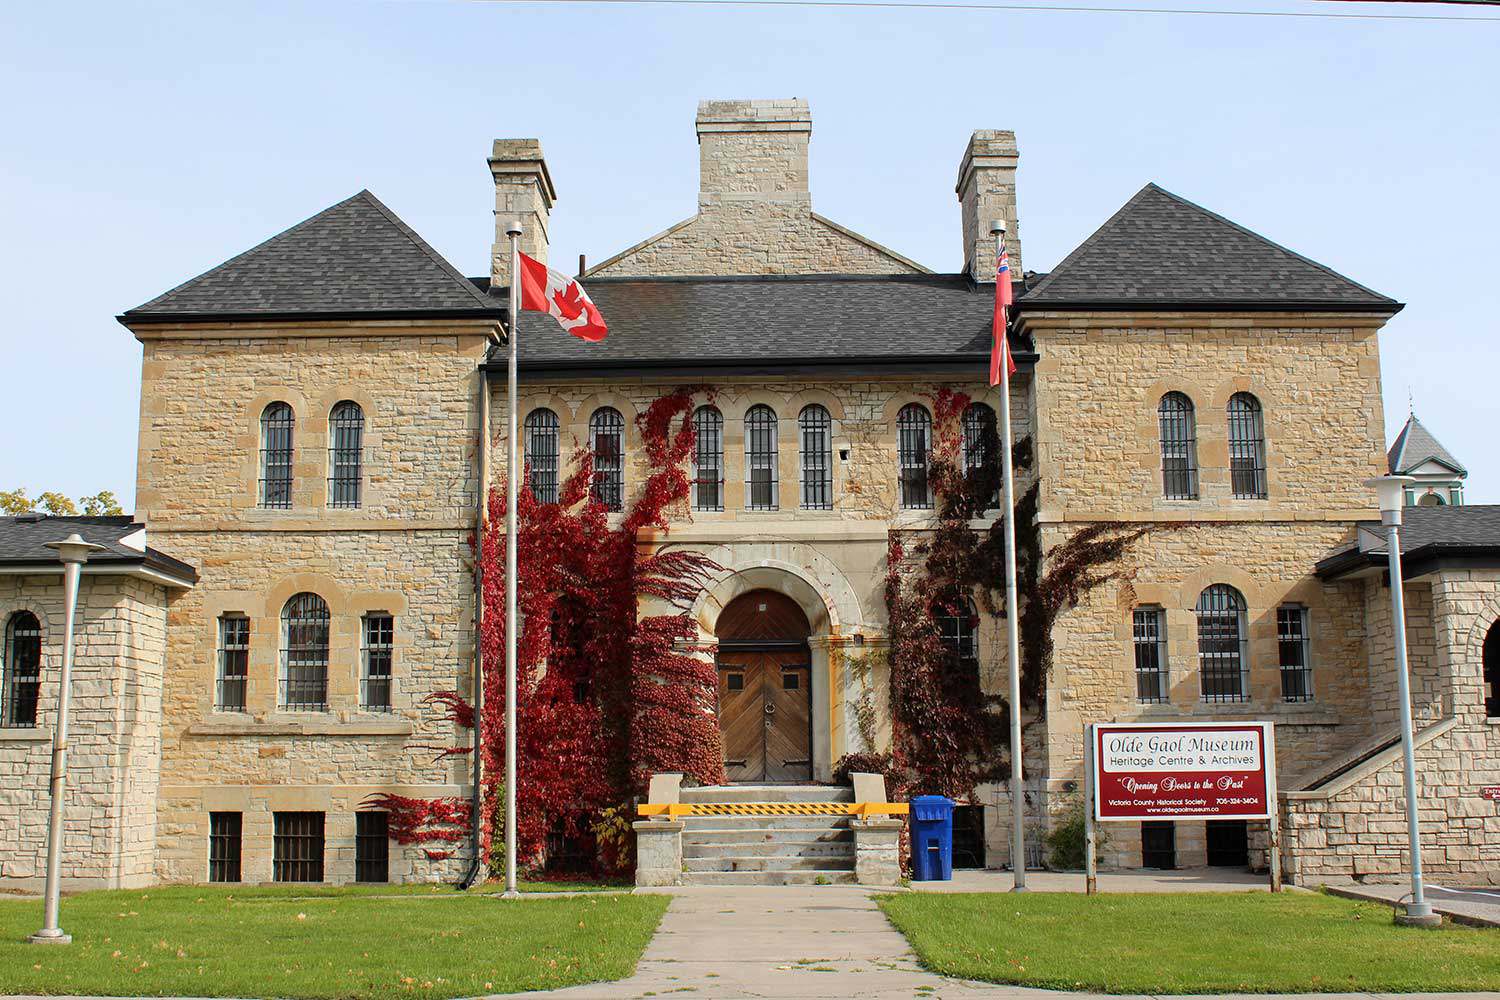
point(224, 838)
point(1150, 636)
point(297, 848)
point(375, 671)
point(1296, 653)
point(372, 847)
point(708, 459)
point(234, 663)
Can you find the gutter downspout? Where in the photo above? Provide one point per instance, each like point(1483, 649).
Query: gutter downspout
point(481, 522)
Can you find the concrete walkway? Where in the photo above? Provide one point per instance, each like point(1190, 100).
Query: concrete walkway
point(1480, 906)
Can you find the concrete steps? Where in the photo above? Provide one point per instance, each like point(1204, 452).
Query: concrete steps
point(767, 850)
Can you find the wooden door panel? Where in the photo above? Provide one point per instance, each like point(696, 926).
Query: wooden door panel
point(789, 729)
point(742, 717)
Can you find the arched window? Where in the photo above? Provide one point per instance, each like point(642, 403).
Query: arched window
point(539, 438)
point(276, 423)
point(762, 486)
point(913, 441)
point(22, 673)
point(1492, 671)
point(1223, 653)
point(708, 459)
point(1247, 448)
point(959, 629)
point(1179, 447)
point(607, 443)
point(346, 441)
point(815, 433)
point(304, 654)
point(982, 454)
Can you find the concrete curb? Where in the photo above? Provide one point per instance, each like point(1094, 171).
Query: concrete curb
point(1458, 917)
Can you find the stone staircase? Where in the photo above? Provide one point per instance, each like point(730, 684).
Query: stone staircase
point(767, 850)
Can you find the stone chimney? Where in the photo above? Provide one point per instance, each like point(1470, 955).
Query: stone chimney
point(987, 190)
point(753, 151)
point(524, 191)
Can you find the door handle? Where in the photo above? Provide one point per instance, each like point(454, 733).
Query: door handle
point(770, 708)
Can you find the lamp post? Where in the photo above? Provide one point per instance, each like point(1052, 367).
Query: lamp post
point(74, 552)
point(1391, 490)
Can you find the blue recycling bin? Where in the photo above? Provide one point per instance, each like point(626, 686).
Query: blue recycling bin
point(932, 838)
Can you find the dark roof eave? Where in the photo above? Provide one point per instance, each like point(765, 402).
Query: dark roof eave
point(694, 367)
point(127, 319)
point(1220, 305)
point(1417, 562)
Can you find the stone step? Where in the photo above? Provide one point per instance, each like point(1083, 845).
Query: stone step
point(693, 825)
point(769, 878)
point(782, 835)
point(769, 793)
point(754, 864)
point(776, 849)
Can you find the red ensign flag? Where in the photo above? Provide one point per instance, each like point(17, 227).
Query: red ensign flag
point(545, 290)
point(1001, 348)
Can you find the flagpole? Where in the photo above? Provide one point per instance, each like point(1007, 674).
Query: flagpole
point(1012, 605)
point(512, 469)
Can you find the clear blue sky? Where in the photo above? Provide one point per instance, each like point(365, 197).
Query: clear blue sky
point(142, 146)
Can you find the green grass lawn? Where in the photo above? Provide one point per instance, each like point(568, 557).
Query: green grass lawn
point(321, 941)
point(1293, 942)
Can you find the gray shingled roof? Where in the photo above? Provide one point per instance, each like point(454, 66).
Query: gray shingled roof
point(24, 538)
point(1416, 445)
point(1162, 250)
point(772, 319)
point(354, 258)
point(1427, 534)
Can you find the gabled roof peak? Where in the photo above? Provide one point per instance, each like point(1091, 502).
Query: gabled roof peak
point(1415, 446)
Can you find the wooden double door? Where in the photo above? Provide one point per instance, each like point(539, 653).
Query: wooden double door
point(765, 715)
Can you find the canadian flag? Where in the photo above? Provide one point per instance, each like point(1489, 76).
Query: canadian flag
point(545, 290)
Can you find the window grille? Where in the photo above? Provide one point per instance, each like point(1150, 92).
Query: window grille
point(372, 847)
point(23, 670)
point(1295, 648)
point(346, 433)
point(1223, 657)
point(762, 475)
point(225, 836)
point(1179, 447)
point(913, 441)
point(297, 847)
point(982, 454)
point(375, 675)
point(607, 442)
point(276, 425)
point(234, 663)
point(708, 459)
point(304, 654)
point(1150, 633)
point(1247, 448)
point(815, 428)
point(540, 438)
point(960, 632)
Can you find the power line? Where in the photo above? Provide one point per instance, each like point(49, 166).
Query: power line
point(1024, 8)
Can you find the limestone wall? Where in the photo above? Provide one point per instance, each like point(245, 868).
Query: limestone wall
point(109, 819)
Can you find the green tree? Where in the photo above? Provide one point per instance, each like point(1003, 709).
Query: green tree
point(18, 501)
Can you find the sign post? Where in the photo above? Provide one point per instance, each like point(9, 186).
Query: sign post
point(1139, 771)
point(1090, 837)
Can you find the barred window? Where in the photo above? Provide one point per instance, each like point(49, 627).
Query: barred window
point(540, 438)
point(1223, 654)
point(372, 847)
point(1149, 626)
point(225, 837)
point(276, 424)
point(958, 628)
point(1179, 447)
point(815, 430)
point(607, 443)
point(1295, 647)
point(913, 441)
point(1247, 448)
point(346, 437)
point(1490, 656)
point(22, 670)
point(762, 486)
point(982, 454)
point(304, 654)
point(708, 459)
point(378, 631)
point(297, 847)
point(234, 663)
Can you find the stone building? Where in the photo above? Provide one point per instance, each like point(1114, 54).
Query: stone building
point(310, 442)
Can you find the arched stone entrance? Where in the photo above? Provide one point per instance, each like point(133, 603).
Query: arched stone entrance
point(765, 688)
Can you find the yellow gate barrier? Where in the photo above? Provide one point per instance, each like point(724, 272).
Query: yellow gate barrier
point(674, 809)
